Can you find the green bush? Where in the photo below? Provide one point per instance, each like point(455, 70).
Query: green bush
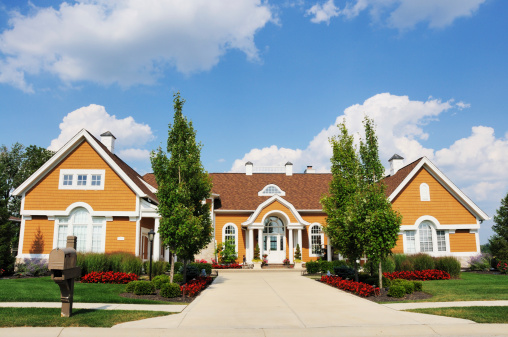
point(397, 291)
point(178, 267)
point(159, 267)
point(177, 278)
point(312, 267)
point(409, 286)
point(448, 264)
point(407, 265)
point(325, 266)
point(192, 272)
point(398, 259)
point(129, 288)
point(144, 288)
point(206, 266)
point(96, 262)
point(116, 262)
point(131, 264)
point(159, 280)
point(81, 262)
point(423, 262)
point(170, 290)
point(418, 285)
point(480, 262)
point(374, 281)
point(344, 272)
point(388, 266)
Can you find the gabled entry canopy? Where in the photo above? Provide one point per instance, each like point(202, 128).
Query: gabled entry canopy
point(277, 206)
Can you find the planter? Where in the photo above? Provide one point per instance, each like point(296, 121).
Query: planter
point(257, 265)
point(299, 265)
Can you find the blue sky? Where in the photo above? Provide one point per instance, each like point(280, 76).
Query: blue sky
point(266, 81)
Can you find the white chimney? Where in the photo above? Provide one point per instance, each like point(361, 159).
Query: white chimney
point(396, 163)
point(310, 169)
point(108, 140)
point(289, 168)
point(248, 168)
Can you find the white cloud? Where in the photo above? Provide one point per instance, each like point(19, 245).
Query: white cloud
point(405, 14)
point(477, 163)
point(323, 12)
point(127, 42)
point(130, 136)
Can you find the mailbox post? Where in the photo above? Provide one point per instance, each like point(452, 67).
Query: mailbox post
point(62, 264)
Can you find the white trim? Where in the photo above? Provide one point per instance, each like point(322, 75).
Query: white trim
point(137, 250)
point(236, 235)
point(22, 234)
point(437, 224)
point(262, 193)
point(424, 192)
point(78, 172)
point(445, 182)
point(64, 213)
point(310, 238)
point(150, 187)
point(266, 203)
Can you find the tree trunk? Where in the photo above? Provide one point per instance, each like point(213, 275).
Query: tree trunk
point(380, 272)
point(172, 268)
point(356, 271)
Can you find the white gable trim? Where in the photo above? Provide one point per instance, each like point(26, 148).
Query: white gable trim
point(64, 151)
point(268, 202)
point(447, 184)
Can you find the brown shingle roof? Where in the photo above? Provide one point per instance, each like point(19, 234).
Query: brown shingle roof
point(392, 182)
point(133, 175)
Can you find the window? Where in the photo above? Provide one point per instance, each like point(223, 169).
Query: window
point(425, 237)
point(230, 234)
point(273, 225)
point(270, 190)
point(89, 231)
point(441, 241)
point(81, 179)
point(424, 192)
point(410, 242)
point(316, 239)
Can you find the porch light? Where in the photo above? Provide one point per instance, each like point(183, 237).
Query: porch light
point(151, 234)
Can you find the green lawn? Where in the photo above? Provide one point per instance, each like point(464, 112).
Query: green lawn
point(45, 317)
point(477, 314)
point(43, 289)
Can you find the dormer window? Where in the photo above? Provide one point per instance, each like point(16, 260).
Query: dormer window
point(270, 190)
point(81, 179)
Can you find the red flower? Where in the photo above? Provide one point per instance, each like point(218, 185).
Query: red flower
point(109, 277)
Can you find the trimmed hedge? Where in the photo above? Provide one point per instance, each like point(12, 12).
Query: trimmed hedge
point(159, 280)
point(200, 265)
point(170, 290)
point(423, 262)
point(397, 291)
point(140, 288)
point(115, 262)
point(177, 278)
point(448, 264)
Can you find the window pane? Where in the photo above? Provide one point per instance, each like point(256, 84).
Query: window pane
point(273, 242)
point(97, 239)
point(62, 236)
point(81, 217)
point(441, 241)
point(67, 180)
point(80, 232)
point(425, 238)
point(315, 239)
point(410, 242)
point(96, 180)
point(81, 179)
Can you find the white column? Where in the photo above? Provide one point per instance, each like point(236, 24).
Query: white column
point(300, 240)
point(328, 249)
point(260, 243)
point(138, 238)
point(291, 250)
point(156, 241)
point(250, 251)
point(166, 255)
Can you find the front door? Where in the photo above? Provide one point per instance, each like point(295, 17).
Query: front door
point(273, 245)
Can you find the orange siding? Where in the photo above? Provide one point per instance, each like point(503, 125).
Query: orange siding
point(399, 246)
point(121, 227)
point(116, 195)
point(38, 237)
point(442, 205)
point(319, 218)
point(237, 219)
point(275, 206)
point(462, 242)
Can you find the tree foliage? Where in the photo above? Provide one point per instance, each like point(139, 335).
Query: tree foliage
point(183, 185)
point(499, 241)
point(360, 218)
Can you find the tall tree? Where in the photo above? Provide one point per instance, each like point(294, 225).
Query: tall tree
point(183, 186)
point(382, 223)
point(499, 241)
point(16, 165)
point(342, 226)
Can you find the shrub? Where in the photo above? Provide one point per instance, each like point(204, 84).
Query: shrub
point(502, 266)
point(407, 265)
point(192, 272)
point(449, 264)
point(32, 267)
point(159, 280)
point(178, 267)
point(388, 266)
point(131, 264)
point(96, 262)
point(116, 262)
point(418, 285)
point(203, 265)
point(312, 267)
point(374, 280)
point(325, 266)
point(398, 259)
point(298, 253)
point(144, 288)
point(344, 272)
point(409, 286)
point(158, 267)
point(177, 278)
point(479, 262)
point(195, 286)
point(358, 288)
point(129, 288)
point(81, 262)
point(397, 291)
point(170, 290)
point(423, 262)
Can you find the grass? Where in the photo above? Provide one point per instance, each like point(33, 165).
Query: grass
point(470, 287)
point(43, 289)
point(477, 314)
point(44, 317)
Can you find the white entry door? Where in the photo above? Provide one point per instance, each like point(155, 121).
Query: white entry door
point(273, 245)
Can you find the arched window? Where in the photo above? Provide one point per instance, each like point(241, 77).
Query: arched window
point(316, 240)
point(230, 234)
point(425, 237)
point(88, 231)
point(270, 190)
point(273, 225)
point(424, 192)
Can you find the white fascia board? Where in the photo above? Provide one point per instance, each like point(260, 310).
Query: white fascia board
point(28, 213)
point(447, 183)
point(225, 211)
point(439, 226)
point(150, 187)
point(268, 202)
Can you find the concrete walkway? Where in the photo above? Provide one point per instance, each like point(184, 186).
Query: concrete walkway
point(280, 304)
point(423, 305)
point(96, 306)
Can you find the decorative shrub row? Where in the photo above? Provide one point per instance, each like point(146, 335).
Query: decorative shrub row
point(193, 287)
point(421, 275)
point(400, 287)
point(109, 277)
point(32, 267)
point(140, 288)
point(170, 290)
point(358, 288)
point(116, 262)
point(421, 262)
point(227, 266)
point(323, 266)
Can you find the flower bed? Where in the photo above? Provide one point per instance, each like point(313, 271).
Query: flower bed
point(358, 288)
point(227, 266)
point(193, 287)
point(420, 275)
point(109, 277)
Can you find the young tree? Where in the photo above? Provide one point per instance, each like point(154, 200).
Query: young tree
point(499, 241)
point(342, 226)
point(382, 223)
point(183, 186)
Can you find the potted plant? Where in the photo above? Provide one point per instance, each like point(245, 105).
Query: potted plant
point(298, 257)
point(256, 260)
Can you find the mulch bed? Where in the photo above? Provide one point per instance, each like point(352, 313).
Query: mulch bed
point(383, 297)
point(157, 297)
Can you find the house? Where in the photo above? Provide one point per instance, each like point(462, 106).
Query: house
point(88, 191)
